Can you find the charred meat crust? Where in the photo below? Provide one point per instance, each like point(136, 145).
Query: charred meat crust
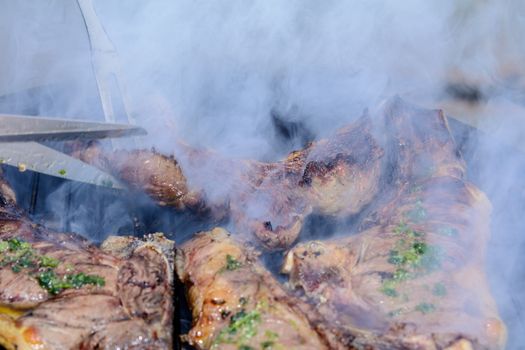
point(236, 303)
point(159, 176)
point(412, 278)
point(338, 176)
point(131, 309)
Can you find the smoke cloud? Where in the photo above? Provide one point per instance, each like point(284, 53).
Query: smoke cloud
point(215, 74)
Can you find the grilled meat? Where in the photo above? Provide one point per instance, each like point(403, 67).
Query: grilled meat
point(57, 291)
point(339, 176)
point(159, 176)
point(411, 275)
point(235, 302)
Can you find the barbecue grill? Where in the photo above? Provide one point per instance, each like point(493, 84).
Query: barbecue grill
point(64, 205)
point(142, 216)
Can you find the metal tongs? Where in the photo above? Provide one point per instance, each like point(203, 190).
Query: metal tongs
point(20, 147)
point(20, 135)
point(106, 68)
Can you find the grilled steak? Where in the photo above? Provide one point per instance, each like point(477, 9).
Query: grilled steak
point(57, 291)
point(157, 175)
point(235, 302)
point(339, 176)
point(408, 275)
point(412, 275)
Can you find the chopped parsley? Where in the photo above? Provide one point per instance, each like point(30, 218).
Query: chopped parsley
point(425, 308)
point(55, 284)
point(403, 229)
point(401, 274)
point(62, 172)
point(270, 340)
point(16, 245)
point(267, 344)
point(395, 313)
point(408, 255)
point(416, 253)
point(232, 263)
point(242, 327)
point(412, 257)
point(389, 290)
point(46, 261)
point(20, 255)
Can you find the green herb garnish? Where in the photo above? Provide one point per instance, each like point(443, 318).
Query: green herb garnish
point(46, 261)
point(232, 263)
point(390, 291)
point(62, 172)
point(403, 229)
point(271, 335)
point(401, 275)
point(16, 244)
point(395, 313)
point(271, 338)
point(20, 255)
point(412, 257)
point(416, 254)
point(425, 308)
point(55, 284)
point(242, 327)
point(267, 344)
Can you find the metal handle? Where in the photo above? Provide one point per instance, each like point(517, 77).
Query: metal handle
point(106, 66)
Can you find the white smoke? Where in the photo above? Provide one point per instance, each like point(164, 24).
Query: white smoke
point(211, 73)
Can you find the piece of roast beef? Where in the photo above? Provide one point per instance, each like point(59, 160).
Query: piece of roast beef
point(235, 302)
point(336, 176)
point(411, 275)
point(57, 291)
point(159, 176)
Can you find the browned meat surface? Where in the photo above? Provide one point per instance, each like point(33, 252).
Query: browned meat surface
point(408, 275)
point(338, 176)
point(118, 298)
point(157, 175)
point(411, 276)
point(235, 302)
